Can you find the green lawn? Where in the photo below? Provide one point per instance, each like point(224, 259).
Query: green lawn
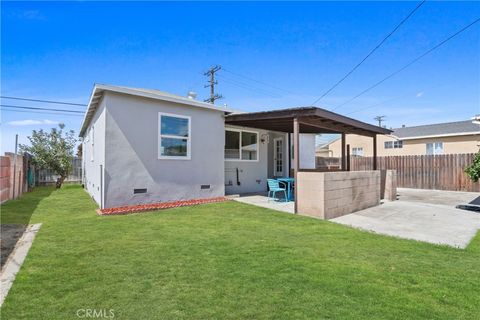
point(228, 260)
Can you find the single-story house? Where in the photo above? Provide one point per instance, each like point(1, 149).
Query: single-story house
point(432, 139)
point(147, 146)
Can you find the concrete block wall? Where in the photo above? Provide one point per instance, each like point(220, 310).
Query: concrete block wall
point(4, 179)
point(7, 178)
point(328, 195)
point(389, 185)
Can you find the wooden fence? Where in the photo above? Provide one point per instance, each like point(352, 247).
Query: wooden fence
point(47, 177)
point(442, 172)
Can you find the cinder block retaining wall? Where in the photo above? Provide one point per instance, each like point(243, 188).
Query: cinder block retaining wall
point(328, 195)
point(4, 179)
point(7, 177)
point(388, 185)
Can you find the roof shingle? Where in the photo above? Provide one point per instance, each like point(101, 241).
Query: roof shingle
point(438, 129)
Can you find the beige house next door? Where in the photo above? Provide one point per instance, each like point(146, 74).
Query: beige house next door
point(278, 157)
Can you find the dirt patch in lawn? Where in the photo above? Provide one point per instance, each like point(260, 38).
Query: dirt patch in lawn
point(10, 234)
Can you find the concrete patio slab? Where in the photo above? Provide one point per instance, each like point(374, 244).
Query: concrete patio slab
point(262, 201)
point(448, 198)
point(422, 221)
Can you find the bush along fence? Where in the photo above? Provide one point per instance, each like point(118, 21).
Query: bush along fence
point(439, 172)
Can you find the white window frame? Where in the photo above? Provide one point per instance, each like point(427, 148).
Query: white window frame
point(355, 151)
point(160, 136)
point(240, 145)
point(434, 148)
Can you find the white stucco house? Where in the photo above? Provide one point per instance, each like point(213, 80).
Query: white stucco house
point(147, 146)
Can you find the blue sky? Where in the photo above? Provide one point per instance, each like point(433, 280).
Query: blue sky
point(57, 51)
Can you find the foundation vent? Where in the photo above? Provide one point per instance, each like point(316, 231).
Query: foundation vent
point(137, 191)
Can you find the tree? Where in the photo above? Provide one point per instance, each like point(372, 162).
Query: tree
point(52, 150)
point(79, 150)
point(473, 171)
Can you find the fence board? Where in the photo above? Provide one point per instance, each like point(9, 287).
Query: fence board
point(440, 172)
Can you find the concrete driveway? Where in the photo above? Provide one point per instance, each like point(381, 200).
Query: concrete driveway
point(424, 215)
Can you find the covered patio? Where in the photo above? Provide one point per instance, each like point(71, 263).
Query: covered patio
point(316, 190)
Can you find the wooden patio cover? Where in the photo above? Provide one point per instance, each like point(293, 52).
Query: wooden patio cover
point(308, 120)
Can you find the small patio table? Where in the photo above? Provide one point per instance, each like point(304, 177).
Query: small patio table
point(289, 182)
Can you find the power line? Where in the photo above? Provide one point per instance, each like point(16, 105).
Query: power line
point(394, 99)
point(371, 52)
point(248, 87)
point(37, 108)
point(408, 64)
point(44, 101)
point(44, 112)
point(257, 81)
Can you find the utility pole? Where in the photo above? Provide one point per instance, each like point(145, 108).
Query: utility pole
point(211, 83)
point(379, 119)
point(15, 166)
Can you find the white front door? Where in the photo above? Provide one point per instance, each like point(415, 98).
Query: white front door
point(278, 157)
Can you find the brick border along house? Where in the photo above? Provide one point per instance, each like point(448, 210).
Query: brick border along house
point(145, 146)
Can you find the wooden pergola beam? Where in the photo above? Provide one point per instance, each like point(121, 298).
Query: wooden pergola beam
point(313, 117)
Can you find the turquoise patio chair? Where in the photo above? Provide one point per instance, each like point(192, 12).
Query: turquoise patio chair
point(274, 187)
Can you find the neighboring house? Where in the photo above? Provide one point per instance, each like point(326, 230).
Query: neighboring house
point(433, 139)
point(144, 146)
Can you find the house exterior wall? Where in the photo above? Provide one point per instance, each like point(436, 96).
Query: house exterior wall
point(252, 175)
point(271, 153)
point(307, 151)
point(131, 154)
point(451, 145)
point(94, 163)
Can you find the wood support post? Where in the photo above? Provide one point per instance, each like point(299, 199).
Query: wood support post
point(343, 160)
point(296, 156)
point(375, 152)
point(348, 157)
point(289, 146)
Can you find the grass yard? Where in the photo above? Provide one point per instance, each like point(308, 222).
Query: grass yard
point(228, 260)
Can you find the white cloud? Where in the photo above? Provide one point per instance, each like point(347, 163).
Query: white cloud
point(31, 15)
point(30, 122)
point(420, 94)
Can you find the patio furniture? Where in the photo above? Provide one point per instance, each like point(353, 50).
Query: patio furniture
point(274, 187)
point(289, 182)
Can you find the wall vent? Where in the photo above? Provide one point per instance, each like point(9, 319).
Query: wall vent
point(205, 186)
point(136, 191)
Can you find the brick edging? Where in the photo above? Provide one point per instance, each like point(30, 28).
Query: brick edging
point(157, 206)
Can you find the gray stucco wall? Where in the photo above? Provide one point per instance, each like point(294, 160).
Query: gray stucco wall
point(252, 174)
point(92, 166)
point(131, 153)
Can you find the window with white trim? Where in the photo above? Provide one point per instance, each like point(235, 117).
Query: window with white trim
point(357, 152)
point(434, 148)
point(241, 145)
point(174, 136)
point(397, 144)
